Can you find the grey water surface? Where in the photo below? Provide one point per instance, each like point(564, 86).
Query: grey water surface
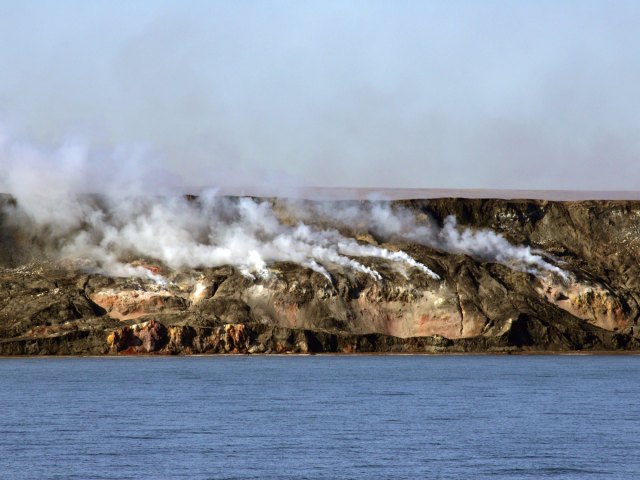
point(320, 417)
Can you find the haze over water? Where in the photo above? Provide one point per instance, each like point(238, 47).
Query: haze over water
point(320, 417)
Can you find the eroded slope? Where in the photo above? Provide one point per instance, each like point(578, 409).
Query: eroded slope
point(341, 276)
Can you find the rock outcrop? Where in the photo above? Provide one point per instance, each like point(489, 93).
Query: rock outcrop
point(476, 305)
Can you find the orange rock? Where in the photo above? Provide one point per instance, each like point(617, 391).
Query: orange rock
point(235, 336)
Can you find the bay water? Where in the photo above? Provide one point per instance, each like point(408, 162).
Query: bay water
point(320, 417)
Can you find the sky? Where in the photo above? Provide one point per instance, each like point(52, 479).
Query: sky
point(455, 94)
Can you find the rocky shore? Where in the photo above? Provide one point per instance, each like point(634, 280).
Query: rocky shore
point(449, 300)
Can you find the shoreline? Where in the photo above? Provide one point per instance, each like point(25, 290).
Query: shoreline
point(575, 353)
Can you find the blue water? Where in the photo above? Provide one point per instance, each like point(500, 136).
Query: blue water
point(323, 417)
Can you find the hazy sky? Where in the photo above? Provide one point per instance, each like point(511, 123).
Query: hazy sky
point(450, 94)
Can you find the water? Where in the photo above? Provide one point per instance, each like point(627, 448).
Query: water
point(320, 417)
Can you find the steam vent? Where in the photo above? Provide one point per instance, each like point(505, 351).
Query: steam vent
point(214, 274)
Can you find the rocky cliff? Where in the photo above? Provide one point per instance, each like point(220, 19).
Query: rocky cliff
point(420, 276)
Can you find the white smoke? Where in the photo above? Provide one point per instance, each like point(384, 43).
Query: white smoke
point(126, 222)
point(488, 246)
point(32, 170)
point(211, 231)
point(56, 197)
point(388, 223)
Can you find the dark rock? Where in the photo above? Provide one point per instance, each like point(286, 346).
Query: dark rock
point(478, 306)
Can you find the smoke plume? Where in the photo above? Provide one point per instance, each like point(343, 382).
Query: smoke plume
point(388, 223)
point(109, 207)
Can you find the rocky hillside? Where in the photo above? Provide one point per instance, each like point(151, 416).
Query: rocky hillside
point(440, 275)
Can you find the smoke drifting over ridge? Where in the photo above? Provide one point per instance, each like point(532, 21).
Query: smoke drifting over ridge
point(136, 214)
point(75, 166)
point(484, 245)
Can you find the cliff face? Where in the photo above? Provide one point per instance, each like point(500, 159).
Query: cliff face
point(485, 295)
